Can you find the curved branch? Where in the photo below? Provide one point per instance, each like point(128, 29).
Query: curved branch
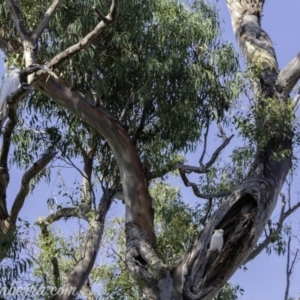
point(268, 239)
point(137, 199)
point(288, 77)
point(196, 190)
point(66, 212)
point(205, 168)
point(87, 40)
point(16, 97)
point(204, 144)
point(37, 167)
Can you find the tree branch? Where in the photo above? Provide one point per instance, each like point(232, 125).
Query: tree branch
point(204, 144)
point(16, 97)
point(66, 212)
point(19, 22)
point(288, 77)
point(186, 169)
point(87, 40)
point(45, 21)
point(205, 168)
point(283, 216)
point(196, 190)
point(37, 167)
point(81, 271)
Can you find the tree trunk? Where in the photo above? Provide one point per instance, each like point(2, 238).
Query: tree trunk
point(243, 216)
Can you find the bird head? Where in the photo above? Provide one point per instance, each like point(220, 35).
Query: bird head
point(221, 231)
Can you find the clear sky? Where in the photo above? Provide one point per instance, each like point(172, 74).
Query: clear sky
point(265, 277)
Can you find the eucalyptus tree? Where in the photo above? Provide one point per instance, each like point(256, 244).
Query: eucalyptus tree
point(126, 96)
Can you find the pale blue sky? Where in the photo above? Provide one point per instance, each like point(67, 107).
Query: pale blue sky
point(265, 278)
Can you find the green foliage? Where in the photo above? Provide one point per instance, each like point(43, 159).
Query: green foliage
point(229, 292)
point(167, 66)
point(176, 222)
point(16, 264)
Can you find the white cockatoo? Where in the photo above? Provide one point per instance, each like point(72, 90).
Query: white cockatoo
point(217, 240)
point(11, 82)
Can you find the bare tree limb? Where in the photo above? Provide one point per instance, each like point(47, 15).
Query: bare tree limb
point(19, 22)
point(283, 216)
point(45, 21)
point(217, 152)
point(87, 40)
point(66, 212)
point(37, 167)
point(81, 271)
point(196, 190)
point(7, 134)
point(289, 76)
point(186, 169)
point(205, 168)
